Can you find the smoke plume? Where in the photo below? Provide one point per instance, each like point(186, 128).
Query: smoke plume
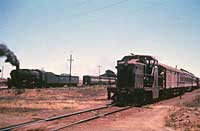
point(10, 56)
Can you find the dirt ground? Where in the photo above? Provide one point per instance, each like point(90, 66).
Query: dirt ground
point(17, 106)
point(154, 117)
point(187, 117)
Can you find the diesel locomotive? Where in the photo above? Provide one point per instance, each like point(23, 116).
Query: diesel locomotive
point(26, 78)
point(141, 79)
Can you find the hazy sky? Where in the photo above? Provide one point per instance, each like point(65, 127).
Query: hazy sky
point(43, 33)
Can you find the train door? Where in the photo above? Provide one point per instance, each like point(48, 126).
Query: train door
point(151, 73)
point(155, 87)
point(151, 77)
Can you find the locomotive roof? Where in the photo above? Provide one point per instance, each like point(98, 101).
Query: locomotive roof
point(187, 72)
point(147, 56)
point(169, 67)
point(133, 59)
point(175, 69)
point(129, 57)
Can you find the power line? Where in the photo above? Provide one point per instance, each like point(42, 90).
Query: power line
point(148, 6)
point(102, 8)
point(114, 4)
point(83, 2)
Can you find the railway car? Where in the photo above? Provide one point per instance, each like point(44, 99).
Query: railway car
point(65, 80)
point(141, 78)
point(97, 80)
point(22, 78)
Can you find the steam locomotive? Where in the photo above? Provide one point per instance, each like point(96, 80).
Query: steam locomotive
point(141, 79)
point(24, 78)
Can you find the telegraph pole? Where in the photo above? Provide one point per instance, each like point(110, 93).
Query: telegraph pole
point(99, 66)
point(99, 69)
point(70, 68)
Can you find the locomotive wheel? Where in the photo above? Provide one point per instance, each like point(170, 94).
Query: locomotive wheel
point(188, 89)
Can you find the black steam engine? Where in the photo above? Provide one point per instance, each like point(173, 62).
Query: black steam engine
point(140, 79)
point(21, 78)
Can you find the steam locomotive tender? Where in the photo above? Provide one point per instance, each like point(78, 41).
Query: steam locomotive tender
point(141, 79)
point(21, 78)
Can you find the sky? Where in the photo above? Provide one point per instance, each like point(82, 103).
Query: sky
point(43, 33)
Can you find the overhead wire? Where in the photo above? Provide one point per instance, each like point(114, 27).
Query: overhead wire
point(101, 8)
point(112, 5)
point(82, 2)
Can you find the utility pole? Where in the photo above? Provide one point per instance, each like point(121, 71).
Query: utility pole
point(99, 66)
point(70, 68)
point(99, 69)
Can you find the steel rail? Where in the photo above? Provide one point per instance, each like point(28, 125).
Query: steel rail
point(21, 125)
point(91, 118)
point(52, 118)
point(76, 113)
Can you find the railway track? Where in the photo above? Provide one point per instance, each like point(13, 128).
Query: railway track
point(40, 121)
point(90, 118)
point(33, 122)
